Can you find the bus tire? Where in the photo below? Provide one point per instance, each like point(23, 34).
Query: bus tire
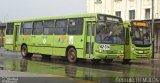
point(24, 52)
point(126, 61)
point(108, 61)
point(71, 55)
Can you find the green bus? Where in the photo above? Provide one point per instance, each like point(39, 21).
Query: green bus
point(138, 43)
point(86, 36)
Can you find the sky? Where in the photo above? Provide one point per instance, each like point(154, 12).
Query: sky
point(20, 9)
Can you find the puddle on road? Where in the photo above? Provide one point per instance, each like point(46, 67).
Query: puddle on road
point(94, 73)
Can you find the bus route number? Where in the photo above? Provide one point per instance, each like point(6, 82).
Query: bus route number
point(104, 46)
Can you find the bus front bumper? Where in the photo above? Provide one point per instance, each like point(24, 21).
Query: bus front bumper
point(141, 56)
point(108, 56)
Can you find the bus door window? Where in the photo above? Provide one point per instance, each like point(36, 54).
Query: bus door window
point(17, 32)
point(9, 30)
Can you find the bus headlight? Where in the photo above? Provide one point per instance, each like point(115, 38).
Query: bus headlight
point(100, 50)
point(122, 51)
point(132, 49)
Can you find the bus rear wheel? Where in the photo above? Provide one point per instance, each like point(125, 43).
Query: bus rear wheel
point(72, 55)
point(24, 52)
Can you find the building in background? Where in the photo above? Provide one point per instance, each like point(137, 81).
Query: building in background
point(127, 9)
point(130, 10)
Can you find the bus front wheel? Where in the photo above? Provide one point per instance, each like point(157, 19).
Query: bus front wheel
point(24, 52)
point(72, 55)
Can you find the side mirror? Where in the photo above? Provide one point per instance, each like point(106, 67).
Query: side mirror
point(131, 33)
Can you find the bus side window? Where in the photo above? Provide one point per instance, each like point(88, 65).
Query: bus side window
point(49, 26)
point(37, 28)
point(10, 27)
point(61, 27)
point(26, 28)
point(75, 26)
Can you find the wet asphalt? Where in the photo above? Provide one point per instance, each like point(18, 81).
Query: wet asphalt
point(57, 68)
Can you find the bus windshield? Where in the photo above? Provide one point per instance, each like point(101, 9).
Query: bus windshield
point(141, 36)
point(109, 33)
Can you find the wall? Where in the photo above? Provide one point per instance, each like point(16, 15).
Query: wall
point(111, 6)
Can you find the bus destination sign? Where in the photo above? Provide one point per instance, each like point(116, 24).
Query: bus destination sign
point(141, 24)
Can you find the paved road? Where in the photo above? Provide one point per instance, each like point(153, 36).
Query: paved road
point(58, 68)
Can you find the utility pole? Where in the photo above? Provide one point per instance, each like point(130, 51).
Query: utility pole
point(153, 56)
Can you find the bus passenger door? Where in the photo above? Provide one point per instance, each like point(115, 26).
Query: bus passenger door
point(90, 33)
point(16, 34)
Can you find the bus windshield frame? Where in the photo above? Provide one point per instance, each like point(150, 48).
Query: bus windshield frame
point(109, 30)
point(141, 35)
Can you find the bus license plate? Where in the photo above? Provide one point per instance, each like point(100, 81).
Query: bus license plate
point(104, 47)
point(140, 51)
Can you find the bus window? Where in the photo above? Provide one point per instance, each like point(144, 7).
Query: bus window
point(37, 28)
point(88, 29)
point(80, 26)
point(75, 26)
point(61, 27)
point(48, 27)
point(9, 28)
point(26, 28)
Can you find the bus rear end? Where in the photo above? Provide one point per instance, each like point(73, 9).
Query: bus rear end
point(109, 38)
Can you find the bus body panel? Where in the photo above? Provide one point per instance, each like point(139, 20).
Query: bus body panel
point(45, 44)
point(8, 42)
point(26, 40)
point(114, 52)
